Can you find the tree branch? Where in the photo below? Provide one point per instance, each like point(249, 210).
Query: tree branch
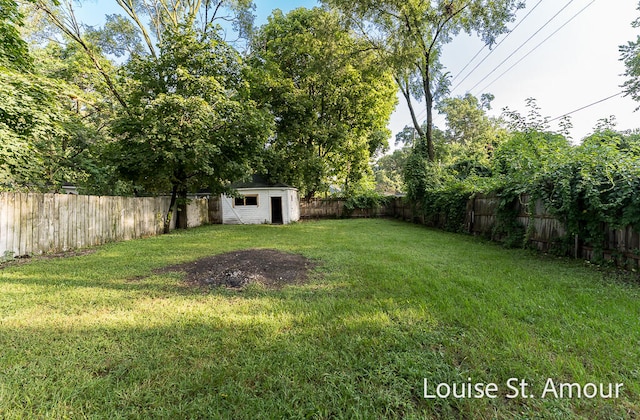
point(127, 6)
point(73, 32)
point(404, 88)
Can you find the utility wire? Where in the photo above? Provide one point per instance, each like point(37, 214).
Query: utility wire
point(587, 106)
point(522, 45)
point(423, 113)
point(536, 47)
point(474, 57)
point(490, 51)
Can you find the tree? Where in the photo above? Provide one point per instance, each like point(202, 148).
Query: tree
point(388, 171)
point(631, 57)
point(471, 136)
point(90, 108)
point(184, 119)
point(44, 137)
point(146, 20)
point(189, 123)
point(14, 52)
point(409, 36)
point(329, 96)
point(44, 143)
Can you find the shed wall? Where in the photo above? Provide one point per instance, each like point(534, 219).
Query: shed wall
point(251, 215)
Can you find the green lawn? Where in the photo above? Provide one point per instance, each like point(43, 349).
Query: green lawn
point(390, 304)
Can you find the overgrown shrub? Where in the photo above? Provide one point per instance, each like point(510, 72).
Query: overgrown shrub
point(598, 184)
point(364, 200)
point(586, 187)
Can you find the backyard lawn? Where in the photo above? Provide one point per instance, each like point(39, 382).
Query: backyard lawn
point(386, 307)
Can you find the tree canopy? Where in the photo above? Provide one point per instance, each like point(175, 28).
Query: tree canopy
point(409, 35)
point(329, 96)
point(14, 52)
point(189, 123)
point(631, 57)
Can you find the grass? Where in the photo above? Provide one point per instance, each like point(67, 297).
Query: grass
point(101, 336)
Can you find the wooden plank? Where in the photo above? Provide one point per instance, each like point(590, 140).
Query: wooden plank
point(89, 222)
point(17, 222)
point(79, 210)
point(27, 225)
point(97, 220)
point(54, 224)
point(85, 222)
point(101, 214)
point(48, 217)
point(67, 226)
point(4, 225)
point(36, 222)
point(113, 218)
point(130, 218)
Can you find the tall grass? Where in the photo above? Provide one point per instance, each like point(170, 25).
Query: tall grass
point(389, 305)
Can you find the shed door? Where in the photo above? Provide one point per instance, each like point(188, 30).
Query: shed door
point(276, 210)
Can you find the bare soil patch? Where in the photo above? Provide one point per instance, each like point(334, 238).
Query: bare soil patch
point(238, 269)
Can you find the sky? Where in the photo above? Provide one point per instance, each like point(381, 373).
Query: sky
point(571, 60)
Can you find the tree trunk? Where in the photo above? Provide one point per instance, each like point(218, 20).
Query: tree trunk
point(181, 213)
point(169, 215)
point(429, 103)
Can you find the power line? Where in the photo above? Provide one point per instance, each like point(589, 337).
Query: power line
point(422, 113)
point(587, 106)
point(490, 51)
point(474, 57)
point(522, 45)
point(537, 46)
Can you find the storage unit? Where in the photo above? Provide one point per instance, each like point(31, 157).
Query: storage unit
point(261, 202)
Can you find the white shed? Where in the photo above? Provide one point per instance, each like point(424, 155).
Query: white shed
point(261, 202)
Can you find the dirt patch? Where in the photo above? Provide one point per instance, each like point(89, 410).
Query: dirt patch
point(238, 269)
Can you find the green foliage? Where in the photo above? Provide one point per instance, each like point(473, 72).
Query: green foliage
point(119, 37)
point(446, 207)
point(507, 229)
point(388, 171)
point(631, 57)
point(90, 105)
point(44, 143)
point(366, 200)
point(471, 136)
point(526, 155)
point(189, 122)
point(14, 52)
point(329, 96)
point(409, 35)
point(463, 166)
point(587, 187)
point(596, 184)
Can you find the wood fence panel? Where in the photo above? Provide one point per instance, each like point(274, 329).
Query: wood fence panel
point(13, 234)
point(4, 223)
point(33, 223)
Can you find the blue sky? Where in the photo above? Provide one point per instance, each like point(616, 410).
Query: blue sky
point(577, 66)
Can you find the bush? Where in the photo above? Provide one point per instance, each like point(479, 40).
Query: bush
point(364, 201)
point(584, 186)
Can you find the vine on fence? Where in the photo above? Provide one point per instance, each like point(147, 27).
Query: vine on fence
point(368, 200)
point(586, 187)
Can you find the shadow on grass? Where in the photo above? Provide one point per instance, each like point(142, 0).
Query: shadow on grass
point(233, 366)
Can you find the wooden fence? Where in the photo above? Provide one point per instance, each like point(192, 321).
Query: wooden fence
point(33, 223)
point(40, 223)
point(621, 245)
point(547, 232)
point(330, 208)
